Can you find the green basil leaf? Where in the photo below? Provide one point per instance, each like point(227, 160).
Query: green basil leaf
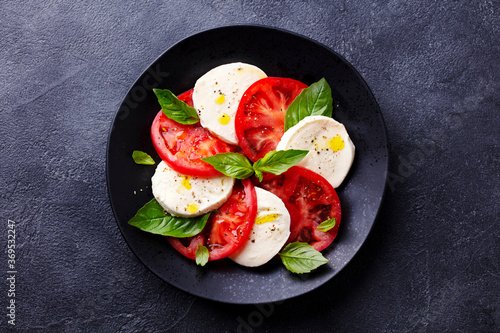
point(176, 109)
point(315, 100)
point(153, 218)
point(141, 157)
point(327, 225)
point(278, 161)
point(231, 164)
point(201, 255)
point(301, 258)
point(259, 174)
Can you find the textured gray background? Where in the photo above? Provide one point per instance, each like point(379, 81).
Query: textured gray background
point(432, 261)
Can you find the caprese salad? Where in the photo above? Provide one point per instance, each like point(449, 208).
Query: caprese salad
point(249, 168)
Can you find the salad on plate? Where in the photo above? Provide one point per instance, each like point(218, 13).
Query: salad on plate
point(249, 168)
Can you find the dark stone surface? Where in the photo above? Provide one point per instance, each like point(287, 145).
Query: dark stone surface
point(432, 261)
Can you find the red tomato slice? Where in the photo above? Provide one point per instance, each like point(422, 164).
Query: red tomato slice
point(227, 229)
point(183, 146)
point(260, 118)
point(310, 200)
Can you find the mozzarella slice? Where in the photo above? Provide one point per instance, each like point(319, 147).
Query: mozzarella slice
point(217, 94)
point(187, 196)
point(331, 151)
point(269, 233)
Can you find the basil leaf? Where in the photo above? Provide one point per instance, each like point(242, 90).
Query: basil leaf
point(201, 255)
point(153, 218)
point(176, 109)
point(315, 100)
point(301, 258)
point(327, 225)
point(141, 157)
point(259, 174)
point(278, 161)
point(231, 164)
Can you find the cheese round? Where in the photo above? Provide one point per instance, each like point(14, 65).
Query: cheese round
point(217, 94)
point(331, 151)
point(187, 196)
point(269, 233)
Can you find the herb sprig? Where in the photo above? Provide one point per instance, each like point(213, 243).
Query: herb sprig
point(238, 166)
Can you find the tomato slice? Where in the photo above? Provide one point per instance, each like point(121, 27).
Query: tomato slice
point(260, 118)
point(310, 200)
point(183, 146)
point(227, 229)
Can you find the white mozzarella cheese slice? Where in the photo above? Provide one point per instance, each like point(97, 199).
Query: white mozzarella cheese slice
point(269, 233)
point(187, 196)
point(331, 151)
point(217, 94)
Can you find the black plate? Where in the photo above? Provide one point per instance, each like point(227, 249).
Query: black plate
point(278, 53)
